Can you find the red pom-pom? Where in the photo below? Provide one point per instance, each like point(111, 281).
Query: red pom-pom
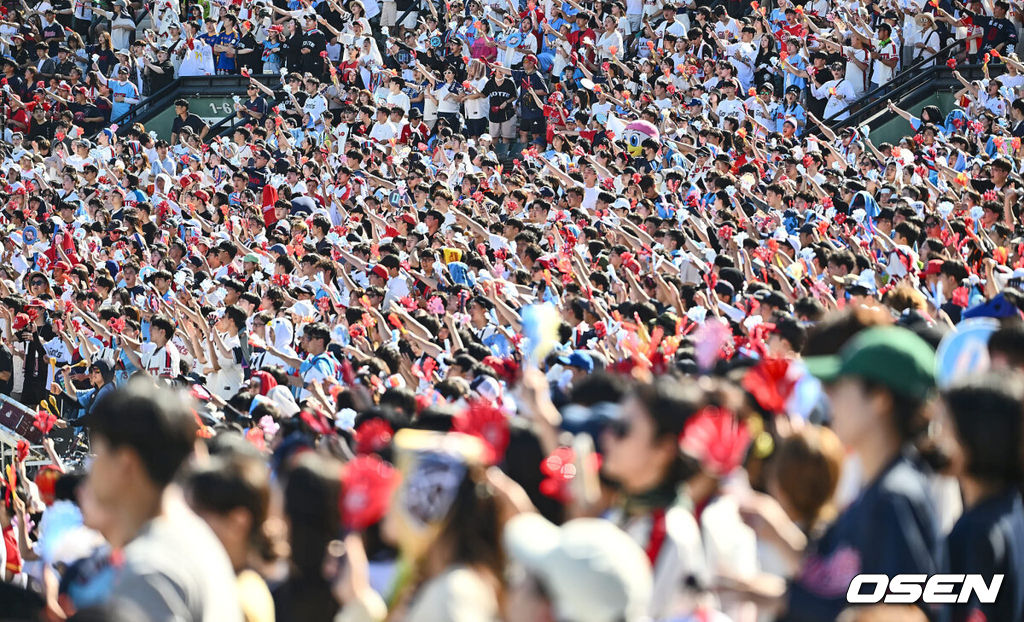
point(367, 483)
point(373, 436)
point(715, 438)
point(489, 424)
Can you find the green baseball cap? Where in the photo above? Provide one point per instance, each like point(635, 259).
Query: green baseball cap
point(889, 355)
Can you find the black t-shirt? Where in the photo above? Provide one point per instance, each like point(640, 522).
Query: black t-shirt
point(498, 94)
point(252, 59)
point(149, 231)
point(86, 111)
point(6, 365)
point(889, 529)
point(989, 540)
point(63, 19)
point(290, 50)
point(51, 31)
point(996, 31)
point(192, 120)
point(257, 178)
point(158, 81)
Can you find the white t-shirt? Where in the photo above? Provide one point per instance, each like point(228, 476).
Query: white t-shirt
point(880, 72)
point(607, 41)
point(399, 99)
point(476, 108)
point(226, 382)
point(854, 74)
point(444, 103)
point(161, 362)
point(730, 30)
point(730, 108)
point(382, 132)
point(513, 56)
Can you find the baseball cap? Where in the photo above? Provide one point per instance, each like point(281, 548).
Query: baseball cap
point(532, 58)
point(933, 267)
point(771, 297)
point(279, 249)
point(889, 355)
point(380, 271)
point(591, 569)
point(252, 257)
point(578, 359)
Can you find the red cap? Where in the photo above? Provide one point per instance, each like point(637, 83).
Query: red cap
point(532, 58)
point(62, 265)
point(934, 267)
point(409, 218)
point(202, 196)
point(380, 271)
point(20, 321)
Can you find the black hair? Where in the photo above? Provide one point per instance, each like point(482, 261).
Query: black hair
point(164, 323)
point(986, 411)
point(156, 422)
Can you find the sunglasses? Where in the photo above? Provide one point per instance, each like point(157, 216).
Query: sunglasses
point(39, 283)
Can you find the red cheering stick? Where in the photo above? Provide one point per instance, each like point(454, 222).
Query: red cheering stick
point(245, 72)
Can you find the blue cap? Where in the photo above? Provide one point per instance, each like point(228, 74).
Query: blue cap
point(695, 102)
point(279, 249)
point(578, 359)
point(999, 307)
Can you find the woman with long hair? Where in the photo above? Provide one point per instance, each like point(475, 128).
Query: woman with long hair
point(103, 49)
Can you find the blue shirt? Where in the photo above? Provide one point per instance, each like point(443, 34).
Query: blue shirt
point(129, 90)
point(789, 80)
point(225, 62)
point(797, 111)
point(989, 539)
point(889, 529)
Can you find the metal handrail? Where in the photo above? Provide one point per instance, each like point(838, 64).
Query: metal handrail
point(224, 126)
point(882, 95)
point(125, 121)
point(172, 90)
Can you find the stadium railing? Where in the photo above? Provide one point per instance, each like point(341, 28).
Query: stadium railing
point(918, 77)
point(189, 87)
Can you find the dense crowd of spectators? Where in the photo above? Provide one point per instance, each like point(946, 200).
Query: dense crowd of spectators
point(494, 311)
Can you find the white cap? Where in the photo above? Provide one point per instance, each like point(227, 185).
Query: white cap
point(591, 569)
